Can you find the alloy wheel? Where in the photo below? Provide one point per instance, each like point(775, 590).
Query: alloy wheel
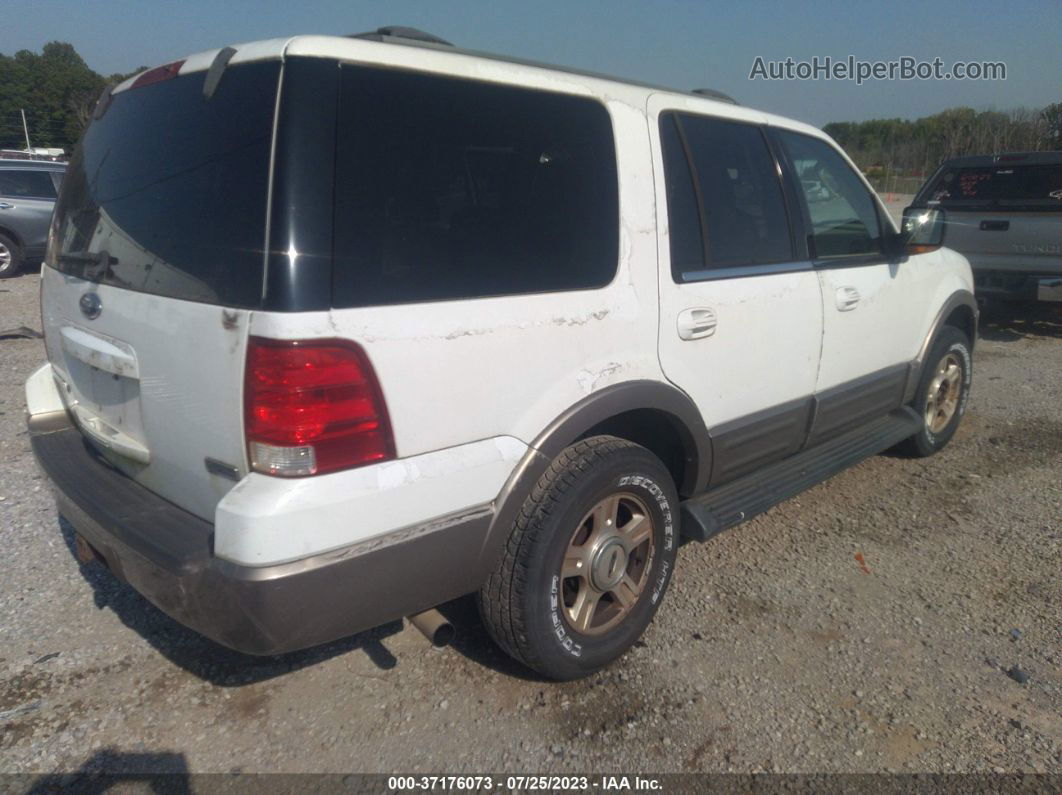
point(606, 565)
point(945, 389)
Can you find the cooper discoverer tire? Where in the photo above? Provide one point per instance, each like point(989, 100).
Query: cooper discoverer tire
point(942, 392)
point(588, 561)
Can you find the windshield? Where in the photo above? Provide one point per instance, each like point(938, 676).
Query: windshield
point(1034, 187)
point(166, 193)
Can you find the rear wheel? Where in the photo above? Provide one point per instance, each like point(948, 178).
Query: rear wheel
point(10, 257)
point(588, 561)
point(942, 392)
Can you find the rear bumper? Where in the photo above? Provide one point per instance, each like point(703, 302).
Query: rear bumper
point(1018, 285)
point(166, 554)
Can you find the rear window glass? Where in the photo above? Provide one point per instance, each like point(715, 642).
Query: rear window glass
point(167, 191)
point(26, 184)
point(449, 188)
point(1002, 185)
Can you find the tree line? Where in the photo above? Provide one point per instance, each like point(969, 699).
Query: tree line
point(901, 147)
point(57, 91)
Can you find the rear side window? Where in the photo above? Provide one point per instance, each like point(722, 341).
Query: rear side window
point(166, 193)
point(1002, 185)
point(725, 203)
point(843, 215)
point(26, 184)
point(449, 189)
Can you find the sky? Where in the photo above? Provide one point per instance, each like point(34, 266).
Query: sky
point(678, 43)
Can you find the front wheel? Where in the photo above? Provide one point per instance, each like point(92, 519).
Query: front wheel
point(588, 561)
point(942, 392)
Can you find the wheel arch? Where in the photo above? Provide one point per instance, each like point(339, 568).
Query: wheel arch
point(654, 414)
point(7, 232)
point(959, 311)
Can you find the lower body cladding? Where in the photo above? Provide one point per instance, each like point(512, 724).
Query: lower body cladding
point(167, 555)
point(1018, 286)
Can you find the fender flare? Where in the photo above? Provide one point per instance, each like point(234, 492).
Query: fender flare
point(954, 301)
point(573, 423)
point(10, 233)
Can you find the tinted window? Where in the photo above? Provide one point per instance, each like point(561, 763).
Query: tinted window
point(450, 189)
point(1002, 185)
point(841, 210)
point(172, 187)
point(683, 209)
point(742, 218)
point(26, 184)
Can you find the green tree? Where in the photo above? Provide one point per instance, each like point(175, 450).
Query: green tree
point(55, 88)
point(1052, 118)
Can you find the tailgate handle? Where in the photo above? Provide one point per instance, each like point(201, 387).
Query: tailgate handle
point(110, 356)
point(995, 226)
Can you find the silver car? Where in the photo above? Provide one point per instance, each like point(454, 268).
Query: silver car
point(1004, 212)
point(27, 196)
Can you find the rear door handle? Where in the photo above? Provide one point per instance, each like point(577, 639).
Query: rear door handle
point(846, 298)
point(694, 324)
point(995, 226)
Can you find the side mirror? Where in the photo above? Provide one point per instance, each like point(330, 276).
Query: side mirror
point(922, 230)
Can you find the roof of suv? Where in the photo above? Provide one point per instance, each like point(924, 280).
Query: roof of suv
point(31, 165)
point(1006, 158)
point(407, 48)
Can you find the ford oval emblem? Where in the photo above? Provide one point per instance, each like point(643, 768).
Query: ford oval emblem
point(91, 305)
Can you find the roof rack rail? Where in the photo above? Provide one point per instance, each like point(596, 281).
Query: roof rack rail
point(400, 33)
point(711, 93)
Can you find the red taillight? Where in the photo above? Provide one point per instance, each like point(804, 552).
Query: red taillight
point(158, 74)
point(312, 407)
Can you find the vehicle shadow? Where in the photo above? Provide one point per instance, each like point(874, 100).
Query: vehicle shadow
point(108, 768)
point(1010, 321)
point(203, 657)
point(472, 641)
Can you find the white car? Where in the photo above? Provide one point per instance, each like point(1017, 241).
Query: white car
point(339, 329)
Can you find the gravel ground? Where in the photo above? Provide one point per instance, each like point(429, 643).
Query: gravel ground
point(776, 648)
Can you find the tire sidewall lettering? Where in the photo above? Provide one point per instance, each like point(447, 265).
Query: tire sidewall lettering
point(560, 629)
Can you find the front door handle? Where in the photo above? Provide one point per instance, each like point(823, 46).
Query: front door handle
point(846, 298)
point(6, 206)
point(694, 324)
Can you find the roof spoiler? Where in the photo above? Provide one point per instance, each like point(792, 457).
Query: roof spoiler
point(216, 70)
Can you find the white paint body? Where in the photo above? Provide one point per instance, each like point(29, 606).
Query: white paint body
point(468, 384)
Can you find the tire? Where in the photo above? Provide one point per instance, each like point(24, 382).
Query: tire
point(566, 627)
point(936, 401)
point(10, 257)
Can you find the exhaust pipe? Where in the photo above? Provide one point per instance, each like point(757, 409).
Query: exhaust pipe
point(432, 625)
point(85, 553)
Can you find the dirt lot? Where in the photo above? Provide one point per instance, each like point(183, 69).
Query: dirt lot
point(776, 649)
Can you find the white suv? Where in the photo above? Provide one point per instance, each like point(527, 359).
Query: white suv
point(339, 329)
